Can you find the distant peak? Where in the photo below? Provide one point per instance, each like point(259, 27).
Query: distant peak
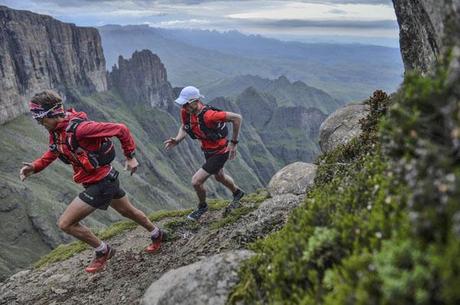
point(250, 91)
point(283, 79)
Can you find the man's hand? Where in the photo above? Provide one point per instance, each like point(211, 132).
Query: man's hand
point(131, 165)
point(170, 143)
point(26, 170)
point(232, 150)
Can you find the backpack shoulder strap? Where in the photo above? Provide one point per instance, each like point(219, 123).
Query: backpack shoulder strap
point(71, 133)
point(203, 126)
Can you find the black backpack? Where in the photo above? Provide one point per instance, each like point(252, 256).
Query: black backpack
point(219, 132)
point(103, 156)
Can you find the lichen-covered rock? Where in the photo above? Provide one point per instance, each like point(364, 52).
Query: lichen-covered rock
point(341, 126)
point(39, 52)
point(142, 79)
point(427, 29)
point(271, 216)
point(294, 178)
point(208, 281)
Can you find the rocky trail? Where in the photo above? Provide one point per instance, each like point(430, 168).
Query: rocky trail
point(131, 271)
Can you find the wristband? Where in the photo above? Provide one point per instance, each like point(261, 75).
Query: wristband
point(234, 142)
point(131, 155)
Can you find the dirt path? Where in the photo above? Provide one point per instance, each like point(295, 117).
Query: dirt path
point(131, 271)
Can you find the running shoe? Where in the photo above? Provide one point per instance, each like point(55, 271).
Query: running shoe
point(196, 215)
point(156, 242)
point(99, 262)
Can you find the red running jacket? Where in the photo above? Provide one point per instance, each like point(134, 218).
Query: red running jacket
point(89, 135)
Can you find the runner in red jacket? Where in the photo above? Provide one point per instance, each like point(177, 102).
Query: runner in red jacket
point(86, 145)
point(208, 125)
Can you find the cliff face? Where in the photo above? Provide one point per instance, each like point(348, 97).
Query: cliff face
point(38, 52)
point(427, 28)
point(290, 133)
point(142, 79)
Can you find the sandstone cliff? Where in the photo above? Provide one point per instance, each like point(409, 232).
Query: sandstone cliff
point(427, 29)
point(39, 52)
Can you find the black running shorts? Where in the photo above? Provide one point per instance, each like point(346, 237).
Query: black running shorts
point(100, 194)
point(214, 163)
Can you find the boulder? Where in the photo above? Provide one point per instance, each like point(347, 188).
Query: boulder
point(294, 178)
point(341, 126)
point(208, 281)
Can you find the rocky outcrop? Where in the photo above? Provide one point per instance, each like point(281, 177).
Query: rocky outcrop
point(39, 52)
point(208, 281)
point(427, 29)
point(341, 126)
point(142, 79)
point(296, 178)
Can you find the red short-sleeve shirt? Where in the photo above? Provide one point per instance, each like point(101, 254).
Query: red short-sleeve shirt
point(211, 118)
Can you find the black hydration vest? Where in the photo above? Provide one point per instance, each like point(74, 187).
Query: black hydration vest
point(103, 156)
point(219, 132)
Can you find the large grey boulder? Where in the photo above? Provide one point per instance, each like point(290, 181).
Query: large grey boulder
point(341, 126)
point(208, 281)
point(294, 178)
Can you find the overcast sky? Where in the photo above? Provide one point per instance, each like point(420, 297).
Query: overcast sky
point(367, 21)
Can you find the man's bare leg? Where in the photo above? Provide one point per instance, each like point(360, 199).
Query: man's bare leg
point(126, 209)
point(226, 180)
point(198, 184)
point(69, 222)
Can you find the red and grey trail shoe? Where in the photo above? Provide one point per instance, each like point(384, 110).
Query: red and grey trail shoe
point(156, 242)
point(99, 262)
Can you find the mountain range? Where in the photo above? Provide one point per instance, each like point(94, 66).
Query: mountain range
point(198, 57)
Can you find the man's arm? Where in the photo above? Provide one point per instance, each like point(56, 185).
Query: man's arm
point(171, 142)
point(38, 165)
point(236, 120)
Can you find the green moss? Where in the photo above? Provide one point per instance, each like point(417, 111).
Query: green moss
point(258, 197)
point(61, 253)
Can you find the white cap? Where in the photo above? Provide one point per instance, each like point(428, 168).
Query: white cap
point(188, 94)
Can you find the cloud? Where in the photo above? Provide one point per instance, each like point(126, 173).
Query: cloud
point(180, 23)
point(337, 12)
point(345, 24)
